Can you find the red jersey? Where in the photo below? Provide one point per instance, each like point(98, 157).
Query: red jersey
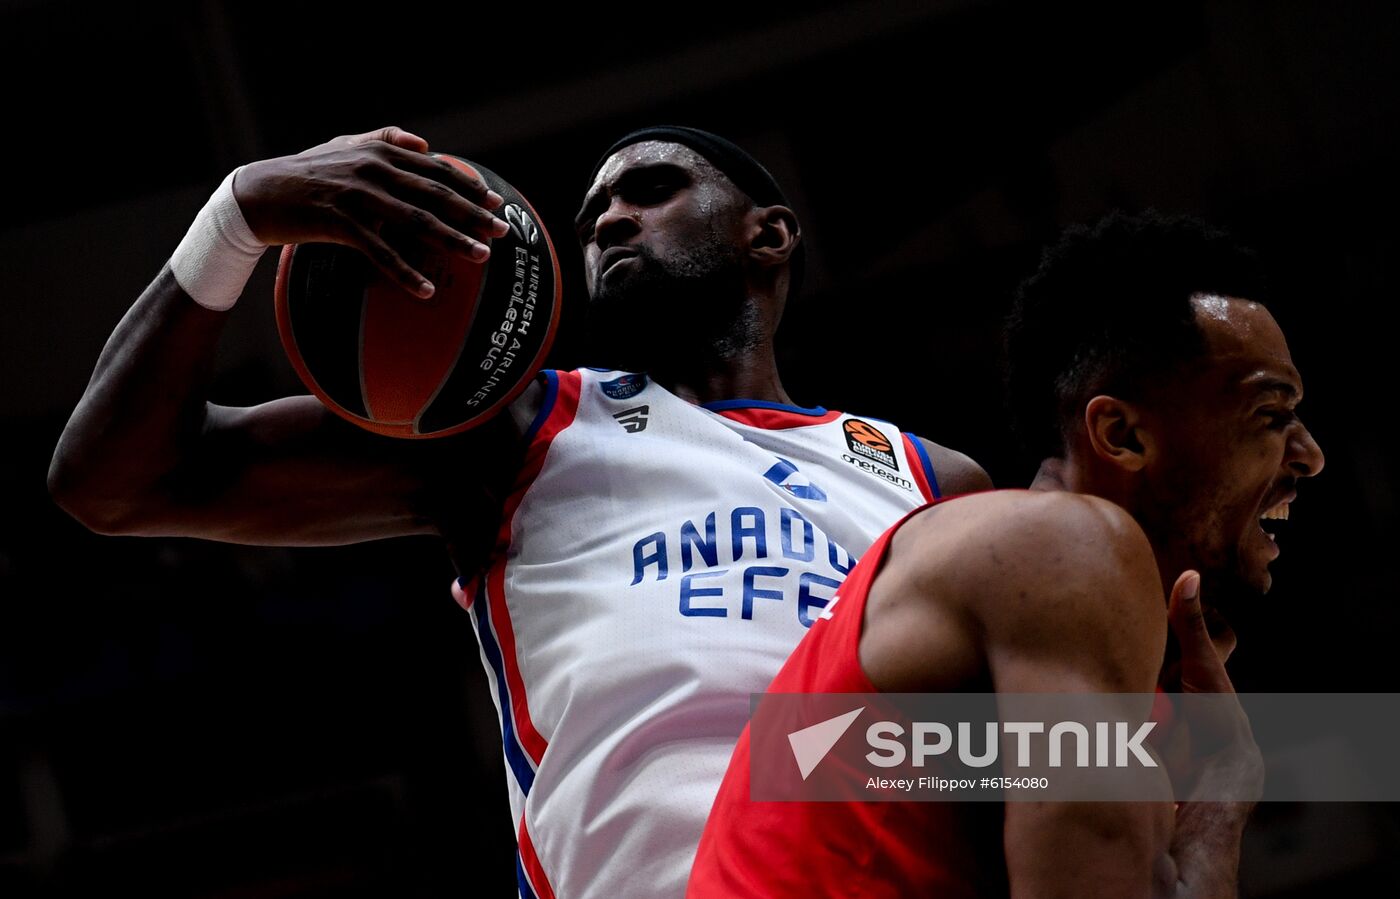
point(871, 850)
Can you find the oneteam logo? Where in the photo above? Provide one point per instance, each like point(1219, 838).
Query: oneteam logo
point(521, 223)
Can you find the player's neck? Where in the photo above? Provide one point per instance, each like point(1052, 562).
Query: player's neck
point(1050, 475)
point(1065, 474)
point(752, 375)
point(739, 363)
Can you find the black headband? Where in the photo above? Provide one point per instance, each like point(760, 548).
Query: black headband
point(741, 168)
point(738, 166)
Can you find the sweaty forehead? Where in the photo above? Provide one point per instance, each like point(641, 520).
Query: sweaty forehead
point(1243, 337)
point(649, 152)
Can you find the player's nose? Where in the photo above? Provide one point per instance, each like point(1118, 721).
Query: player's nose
point(1306, 458)
point(616, 224)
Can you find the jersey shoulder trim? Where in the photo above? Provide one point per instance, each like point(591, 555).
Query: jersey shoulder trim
point(921, 466)
point(770, 415)
point(560, 403)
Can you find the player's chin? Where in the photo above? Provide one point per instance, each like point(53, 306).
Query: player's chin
point(1238, 578)
point(1252, 573)
point(1259, 580)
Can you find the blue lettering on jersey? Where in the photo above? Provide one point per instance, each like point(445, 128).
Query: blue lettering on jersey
point(690, 539)
point(704, 591)
point(808, 532)
point(641, 558)
point(832, 550)
point(754, 530)
point(689, 591)
point(806, 601)
point(751, 592)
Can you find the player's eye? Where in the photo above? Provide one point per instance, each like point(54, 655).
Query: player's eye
point(1279, 418)
point(653, 191)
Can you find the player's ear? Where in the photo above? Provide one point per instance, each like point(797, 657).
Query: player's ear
point(1116, 433)
point(773, 234)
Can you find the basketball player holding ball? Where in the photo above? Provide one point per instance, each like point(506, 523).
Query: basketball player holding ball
point(664, 532)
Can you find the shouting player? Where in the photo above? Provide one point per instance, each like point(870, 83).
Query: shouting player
point(1162, 398)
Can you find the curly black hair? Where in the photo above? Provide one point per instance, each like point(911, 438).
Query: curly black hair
point(1108, 311)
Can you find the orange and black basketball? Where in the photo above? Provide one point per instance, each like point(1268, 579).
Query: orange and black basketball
point(404, 366)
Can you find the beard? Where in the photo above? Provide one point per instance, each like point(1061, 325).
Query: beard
point(667, 312)
point(1229, 587)
point(1203, 534)
point(1229, 582)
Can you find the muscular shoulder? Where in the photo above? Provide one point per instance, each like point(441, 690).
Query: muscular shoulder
point(1048, 578)
point(1081, 606)
point(1022, 534)
point(1032, 534)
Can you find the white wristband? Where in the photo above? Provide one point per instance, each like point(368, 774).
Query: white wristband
point(219, 252)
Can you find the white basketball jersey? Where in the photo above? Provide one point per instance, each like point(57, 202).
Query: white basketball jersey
point(656, 563)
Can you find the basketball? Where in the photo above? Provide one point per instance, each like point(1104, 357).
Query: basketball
point(404, 366)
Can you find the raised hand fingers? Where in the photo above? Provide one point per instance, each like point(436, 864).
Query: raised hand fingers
point(407, 200)
point(1221, 634)
point(391, 135)
point(379, 192)
point(453, 209)
point(384, 257)
point(439, 169)
point(405, 219)
point(459, 199)
point(1202, 668)
point(1184, 611)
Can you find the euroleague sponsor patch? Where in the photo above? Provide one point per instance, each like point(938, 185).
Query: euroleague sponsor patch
point(864, 439)
point(878, 471)
point(624, 387)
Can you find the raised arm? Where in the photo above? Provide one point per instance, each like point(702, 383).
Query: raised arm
point(144, 453)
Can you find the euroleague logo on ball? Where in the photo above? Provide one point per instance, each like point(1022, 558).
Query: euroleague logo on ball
point(521, 223)
point(402, 366)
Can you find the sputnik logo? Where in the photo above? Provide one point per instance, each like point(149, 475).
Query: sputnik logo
point(811, 744)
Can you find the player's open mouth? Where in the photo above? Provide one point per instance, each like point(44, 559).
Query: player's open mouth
point(1277, 512)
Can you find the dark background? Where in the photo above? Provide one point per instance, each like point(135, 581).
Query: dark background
point(187, 718)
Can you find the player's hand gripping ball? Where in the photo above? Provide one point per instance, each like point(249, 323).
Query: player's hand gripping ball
point(404, 366)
